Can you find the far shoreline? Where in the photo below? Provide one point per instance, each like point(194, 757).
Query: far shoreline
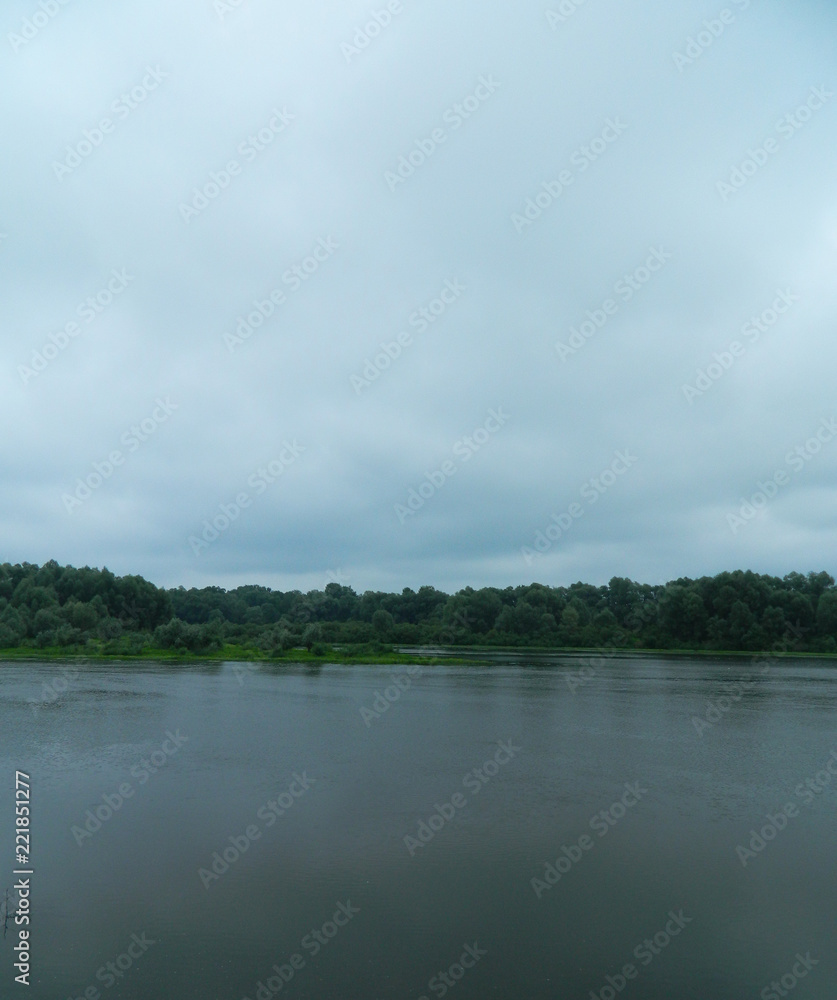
point(427, 656)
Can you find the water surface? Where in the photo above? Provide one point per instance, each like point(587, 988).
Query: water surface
point(510, 767)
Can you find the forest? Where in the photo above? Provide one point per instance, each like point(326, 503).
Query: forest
point(61, 609)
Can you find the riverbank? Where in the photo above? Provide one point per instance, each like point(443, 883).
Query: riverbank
point(235, 653)
point(425, 656)
point(626, 652)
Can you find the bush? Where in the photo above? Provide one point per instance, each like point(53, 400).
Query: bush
point(45, 622)
point(312, 634)
point(109, 628)
point(8, 637)
point(45, 639)
point(66, 635)
point(275, 640)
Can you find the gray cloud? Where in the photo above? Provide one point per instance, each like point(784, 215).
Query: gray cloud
point(211, 81)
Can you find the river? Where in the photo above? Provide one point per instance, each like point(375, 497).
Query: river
point(637, 827)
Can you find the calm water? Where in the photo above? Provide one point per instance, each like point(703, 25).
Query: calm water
point(327, 889)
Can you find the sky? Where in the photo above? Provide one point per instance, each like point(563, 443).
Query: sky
point(414, 293)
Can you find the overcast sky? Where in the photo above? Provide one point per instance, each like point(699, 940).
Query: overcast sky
point(515, 172)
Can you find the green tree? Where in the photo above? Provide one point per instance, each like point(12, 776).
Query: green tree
point(276, 640)
point(682, 613)
point(569, 631)
point(827, 613)
point(109, 628)
point(8, 637)
point(312, 634)
point(383, 623)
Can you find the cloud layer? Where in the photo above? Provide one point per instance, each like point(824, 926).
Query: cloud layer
point(382, 293)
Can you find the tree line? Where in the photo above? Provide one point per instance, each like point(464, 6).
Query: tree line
point(61, 607)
